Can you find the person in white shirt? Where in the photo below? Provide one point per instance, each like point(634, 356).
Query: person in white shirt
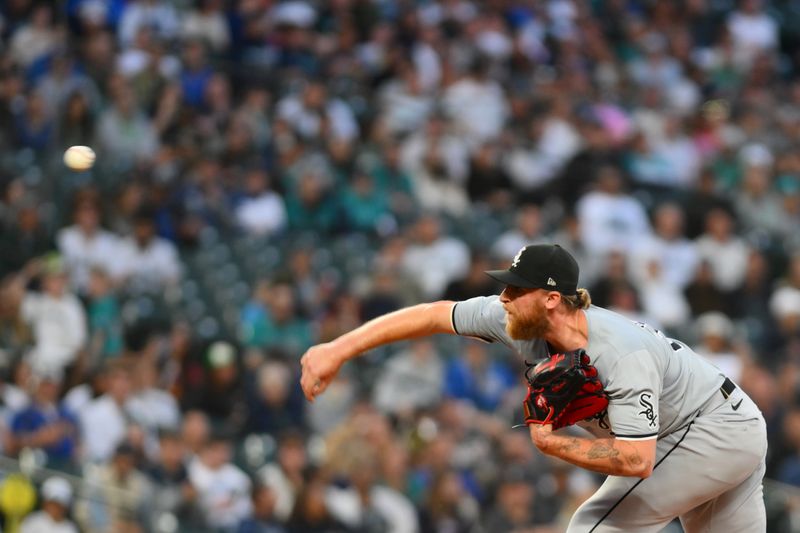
point(437, 161)
point(155, 14)
point(715, 332)
point(434, 260)
point(609, 218)
point(676, 255)
point(207, 22)
point(56, 495)
point(104, 420)
point(411, 380)
point(86, 245)
point(477, 105)
point(752, 30)
point(405, 105)
point(223, 490)
point(56, 317)
point(726, 253)
point(313, 114)
point(364, 501)
point(145, 261)
point(263, 212)
point(153, 407)
point(528, 229)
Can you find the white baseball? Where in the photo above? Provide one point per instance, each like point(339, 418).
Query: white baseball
point(79, 157)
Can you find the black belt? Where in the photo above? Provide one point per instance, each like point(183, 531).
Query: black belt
point(727, 388)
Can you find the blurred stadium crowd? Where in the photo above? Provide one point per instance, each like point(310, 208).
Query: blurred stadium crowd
point(271, 174)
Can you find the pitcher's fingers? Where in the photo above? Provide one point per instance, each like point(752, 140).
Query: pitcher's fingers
point(307, 383)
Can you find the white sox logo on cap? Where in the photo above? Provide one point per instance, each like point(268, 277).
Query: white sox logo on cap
point(517, 257)
point(541, 266)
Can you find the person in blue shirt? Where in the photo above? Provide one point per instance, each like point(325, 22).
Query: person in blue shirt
point(478, 378)
point(46, 425)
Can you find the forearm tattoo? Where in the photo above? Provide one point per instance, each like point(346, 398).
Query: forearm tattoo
point(570, 446)
point(601, 450)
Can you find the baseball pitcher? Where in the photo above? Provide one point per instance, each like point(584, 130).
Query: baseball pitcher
point(675, 436)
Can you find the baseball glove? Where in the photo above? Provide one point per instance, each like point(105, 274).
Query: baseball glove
point(562, 390)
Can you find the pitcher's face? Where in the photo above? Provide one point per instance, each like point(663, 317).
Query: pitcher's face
point(526, 313)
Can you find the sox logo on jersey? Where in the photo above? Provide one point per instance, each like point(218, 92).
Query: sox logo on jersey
point(648, 411)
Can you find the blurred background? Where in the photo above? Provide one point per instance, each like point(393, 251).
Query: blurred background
point(271, 174)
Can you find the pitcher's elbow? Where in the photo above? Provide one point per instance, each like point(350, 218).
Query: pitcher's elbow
point(643, 471)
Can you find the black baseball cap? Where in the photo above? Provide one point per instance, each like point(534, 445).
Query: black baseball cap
point(541, 266)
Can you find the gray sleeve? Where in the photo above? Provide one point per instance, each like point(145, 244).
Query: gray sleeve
point(634, 388)
point(482, 317)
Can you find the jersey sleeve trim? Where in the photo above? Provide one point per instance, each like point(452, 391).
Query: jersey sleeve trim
point(487, 340)
point(453, 318)
point(636, 437)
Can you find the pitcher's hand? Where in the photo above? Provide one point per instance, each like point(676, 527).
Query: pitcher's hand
point(319, 366)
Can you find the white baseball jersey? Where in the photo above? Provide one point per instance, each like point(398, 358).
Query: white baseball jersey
point(711, 445)
point(656, 385)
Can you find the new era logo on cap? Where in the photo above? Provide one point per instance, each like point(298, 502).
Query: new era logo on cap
point(538, 266)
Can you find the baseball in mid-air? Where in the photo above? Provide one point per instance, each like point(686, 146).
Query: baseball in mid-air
point(79, 157)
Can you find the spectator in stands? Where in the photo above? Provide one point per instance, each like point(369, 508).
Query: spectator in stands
point(662, 300)
point(34, 125)
point(195, 431)
point(528, 229)
point(366, 207)
point(86, 245)
point(476, 104)
point(449, 507)
point(36, 39)
point(262, 211)
point(263, 519)
point(311, 206)
point(475, 282)
point(45, 424)
point(752, 31)
point(145, 261)
point(105, 323)
point(55, 316)
point(219, 395)
point(365, 503)
point(316, 116)
point(274, 400)
point(514, 506)
point(77, 122)
point(155, 14)
point(411, 380)
point(26, 234)
point(436, 160)
point(173, 493)
point(151, 406)
point(477, 378)
point(124, 133)
point(610, 218)
point(223, 490)
point(285, 477)
point(676, 255)
point(724, 251)
point(434, 260)
point(272, 320)
point(56, 497)
point(116, 495)
point(105, 420)
point(717, 342)
point(311, 513)
point(207, 22)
